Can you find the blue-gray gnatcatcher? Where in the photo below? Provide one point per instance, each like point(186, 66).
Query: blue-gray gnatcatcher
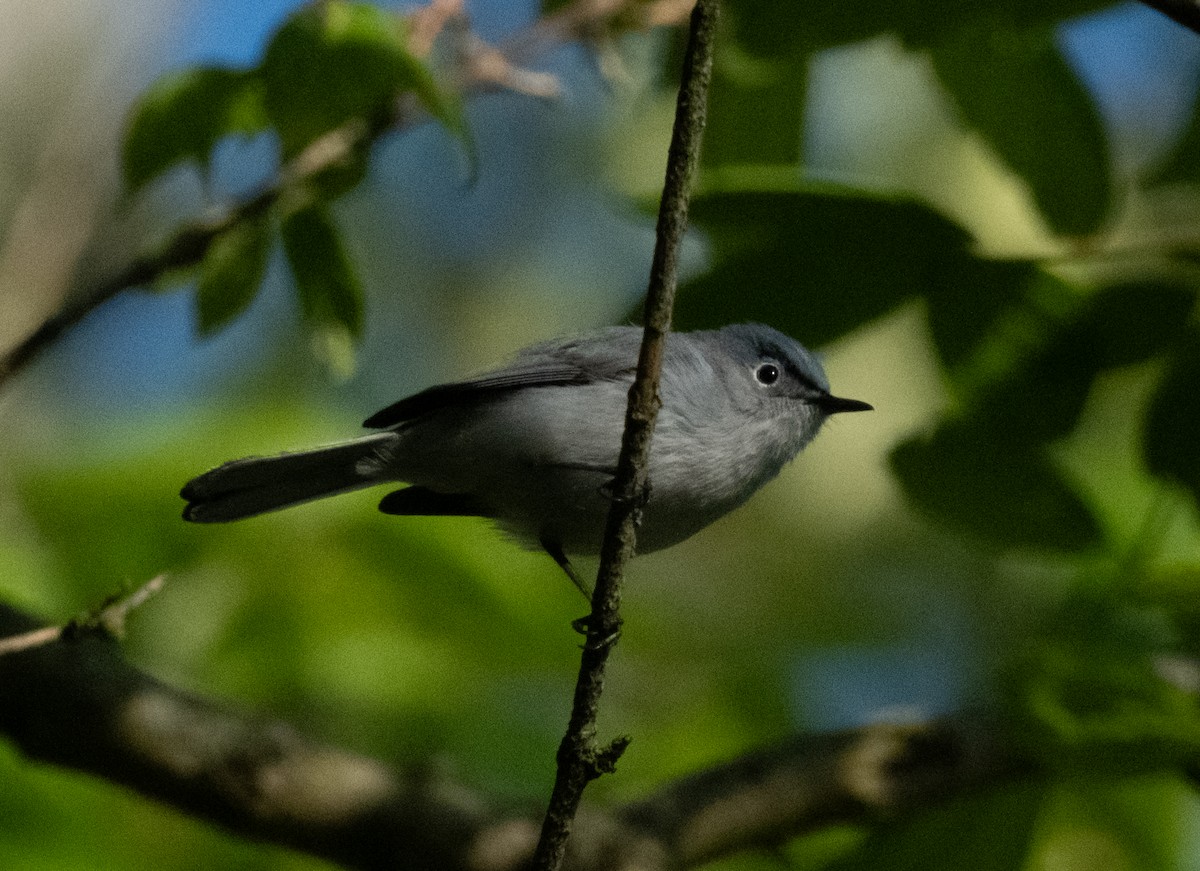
point(533, 444)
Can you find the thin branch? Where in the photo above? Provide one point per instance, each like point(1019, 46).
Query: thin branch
point(77, 702)
point(481, 68)
point(31, 639)
point(110, 618)
point(580, 759)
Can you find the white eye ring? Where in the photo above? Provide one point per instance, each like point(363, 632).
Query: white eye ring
point(767, 373)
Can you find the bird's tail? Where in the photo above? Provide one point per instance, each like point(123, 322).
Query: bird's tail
point(255, 485)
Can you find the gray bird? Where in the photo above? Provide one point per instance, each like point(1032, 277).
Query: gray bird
point(534, 444)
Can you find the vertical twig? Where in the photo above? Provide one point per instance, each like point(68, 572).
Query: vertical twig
point(580, 759)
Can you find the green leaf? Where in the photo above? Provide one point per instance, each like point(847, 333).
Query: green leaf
point(755, 109)
point(1031, 370)
point(1144, 820)
point(992, 830)
point(768, 27)
point(1031, 378)
point(815, 263)
point(1013, 86)
point(328, 287)
point(339, 60)
point(1131, 321)
point(232, 272)
point(1087, 695)
point(1173, 421)
point(971, 303)
point(182, 117)
point(976, 480)
point(1182, 163)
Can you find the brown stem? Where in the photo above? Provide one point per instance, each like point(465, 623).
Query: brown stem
point(580, 760)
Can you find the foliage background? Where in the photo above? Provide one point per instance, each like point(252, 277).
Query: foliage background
point(837, 596)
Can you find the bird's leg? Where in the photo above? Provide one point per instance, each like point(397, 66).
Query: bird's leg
point(606, 490)
point(555, 550)
point(582, 625)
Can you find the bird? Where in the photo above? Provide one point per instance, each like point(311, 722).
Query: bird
point(533, 445)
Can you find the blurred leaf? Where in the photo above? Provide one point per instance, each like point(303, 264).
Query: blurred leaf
point(984, 831)
point(815, 263)
point(134, 537)
point(1130, 322)
point(767, 27)
point(1031, 375)
point(964, 309)
point(232, 272)
point(339, 60)
point(1039, 397)
point(755, 109)
point(1176, 587)
point(978, 481)
point(1088, 696)
point(1015, 88)
point(1140, 823)
point(1182, 163)
point(817, 850)
point(326, 283)
point(182, 117)
point(1173, 420)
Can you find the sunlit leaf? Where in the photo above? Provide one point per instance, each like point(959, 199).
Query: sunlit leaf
point(979, 482)
point(326, 282)
point(1013, 86)
point(183, 116)
point(232, 272)
point(1142, 820)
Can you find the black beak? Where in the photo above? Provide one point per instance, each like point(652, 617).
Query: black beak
point(831, 404)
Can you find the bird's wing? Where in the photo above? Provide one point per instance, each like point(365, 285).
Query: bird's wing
point(603, 356)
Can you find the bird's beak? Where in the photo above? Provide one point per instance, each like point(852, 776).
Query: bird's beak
point(831, 404)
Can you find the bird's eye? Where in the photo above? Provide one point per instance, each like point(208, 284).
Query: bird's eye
point(767, 373)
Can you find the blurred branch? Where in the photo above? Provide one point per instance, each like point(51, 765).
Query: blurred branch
point(580, 759)
point(479, 67)
point(1185, 12)
point(76, 702)
point(854, 776)
point(109, 618)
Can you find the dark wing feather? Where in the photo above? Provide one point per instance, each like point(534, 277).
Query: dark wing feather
point(442, 395)
point(603, 355)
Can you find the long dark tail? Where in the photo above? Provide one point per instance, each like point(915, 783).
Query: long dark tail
point(255, 485)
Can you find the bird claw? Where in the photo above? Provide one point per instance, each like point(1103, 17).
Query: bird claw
point(583, 625)
point(606, 490)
